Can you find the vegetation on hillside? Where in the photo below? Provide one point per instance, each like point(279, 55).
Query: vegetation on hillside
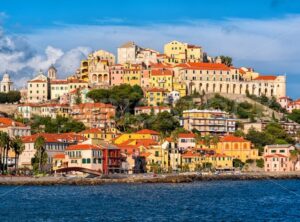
point(10, 97)
point(57, 125)
point(124, 97)
point(269, 102)
point(295, 115)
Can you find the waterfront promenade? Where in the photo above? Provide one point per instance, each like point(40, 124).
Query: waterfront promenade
point(163, 178)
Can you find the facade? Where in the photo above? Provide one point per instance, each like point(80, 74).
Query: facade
point(151, 110)
point(116, 74)
point(278, 158)
point(94, 115)
point(179, 52)
point(141, 134)
point(208, 121)
point(156, 96)
point(237, 148)
point(95, 69)
point(103, 134)
point(14, 128)
point(54, 144)
point(186, 141)
point(6, 84)
point(219, 78)
point(38, 89)
point(85, 156)
point(162, 79)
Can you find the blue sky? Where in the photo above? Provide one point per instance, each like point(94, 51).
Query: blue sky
point(262, 34)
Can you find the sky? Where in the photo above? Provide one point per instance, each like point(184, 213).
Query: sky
point(263, 34)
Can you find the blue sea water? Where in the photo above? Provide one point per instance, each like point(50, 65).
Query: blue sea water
point(267, 200)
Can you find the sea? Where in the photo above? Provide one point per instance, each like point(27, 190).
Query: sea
point(261, 200)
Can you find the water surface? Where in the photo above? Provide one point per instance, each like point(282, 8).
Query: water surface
point(268, 200)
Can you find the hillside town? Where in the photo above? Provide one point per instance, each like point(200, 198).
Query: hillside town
point(143, 111)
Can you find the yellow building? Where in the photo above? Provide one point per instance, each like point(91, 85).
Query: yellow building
point(180, 87)
point(156, 96)
point(141, 134)
point(132, 74)
point(96, 133)
point(179, 52)
point(156, 156)
point(220, 161)
point(191, 161)
point(237, 148)
point(162, 78)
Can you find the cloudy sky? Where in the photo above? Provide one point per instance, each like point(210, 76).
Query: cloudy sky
point(263, 34)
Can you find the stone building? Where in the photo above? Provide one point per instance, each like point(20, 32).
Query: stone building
point(38, 89)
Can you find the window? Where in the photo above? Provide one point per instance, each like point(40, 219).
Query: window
point(156, 153)
point(88, 160)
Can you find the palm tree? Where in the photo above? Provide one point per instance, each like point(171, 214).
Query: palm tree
point(4, 143)
point(18, 147)
point(39, 145)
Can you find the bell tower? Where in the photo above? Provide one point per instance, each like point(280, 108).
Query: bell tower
point(52, 72)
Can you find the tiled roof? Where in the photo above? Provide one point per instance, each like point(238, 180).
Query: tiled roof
point(232, 138)
point(275, 155)
point(204, 66)
point(156, 90)
point(190, 154)
point(6, 122)
point(59, 156)
point(54, 138)
point(83, 147)
point(269, 78)
point(161, 72)
point(186, 135)
point(92, 130)
point(147, 131)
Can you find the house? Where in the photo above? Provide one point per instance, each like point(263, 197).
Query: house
point(186, 140)
point(279, 158)
point(141, 134)
point(14, 128)
point(54, 144)
point(156, 96)
point(237, 148)
point(84, 155)
point(151, 110)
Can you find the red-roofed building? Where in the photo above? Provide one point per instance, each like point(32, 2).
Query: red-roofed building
point(94, 115)
point(186, 141)
point(54, 144)
point(149, 109)
point(278, 158)
point(14, 128)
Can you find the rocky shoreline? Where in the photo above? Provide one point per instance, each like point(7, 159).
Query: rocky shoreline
point(50, 181)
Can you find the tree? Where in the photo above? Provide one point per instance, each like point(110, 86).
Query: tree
point(165, 123)
point(295, 115)
point(260, 163)
point(39, 145)
point(294, 157)
point(18, 147)
point(238, 163)
point(226, 60)
point(5, 145)
point(125, 97)
point(78, 99)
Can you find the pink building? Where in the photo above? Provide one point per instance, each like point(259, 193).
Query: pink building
point(145, 78)
point(116, 74)
point(186, 140)
point(149, 109)
point(278, 158)
point(284, 101)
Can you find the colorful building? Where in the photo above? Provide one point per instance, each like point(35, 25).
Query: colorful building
point(156, 96)
point(237, 148)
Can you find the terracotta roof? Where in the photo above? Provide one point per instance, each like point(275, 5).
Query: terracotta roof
point(6, 122)
point(232, 138)
point(92, 130)
point(269, 78)
point(59, 156)
point(190, 154)
point(186, 135)
point(37, 81)
point(55, 138)
point(156, 90)
point(275, 155)
point(59, 81)
point(152, 107)
point(93, 105)
point(161, 72)
point(147, 131)
point(83, 147)
point(204, 66)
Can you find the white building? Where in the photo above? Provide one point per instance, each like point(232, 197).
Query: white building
point(6, 84)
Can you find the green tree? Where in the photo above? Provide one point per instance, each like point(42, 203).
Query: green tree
point(5, 146)
point(260, 163)
point(237, 163)
point(18, 147)
point(39, 145)
point(165, 123)
point(226, 60)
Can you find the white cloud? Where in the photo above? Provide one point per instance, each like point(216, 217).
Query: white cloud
point(270, 46)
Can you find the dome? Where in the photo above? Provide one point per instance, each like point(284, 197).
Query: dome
point(6, 78)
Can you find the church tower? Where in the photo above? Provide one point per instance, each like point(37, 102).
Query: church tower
point(6, 84)
point(52, 72)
